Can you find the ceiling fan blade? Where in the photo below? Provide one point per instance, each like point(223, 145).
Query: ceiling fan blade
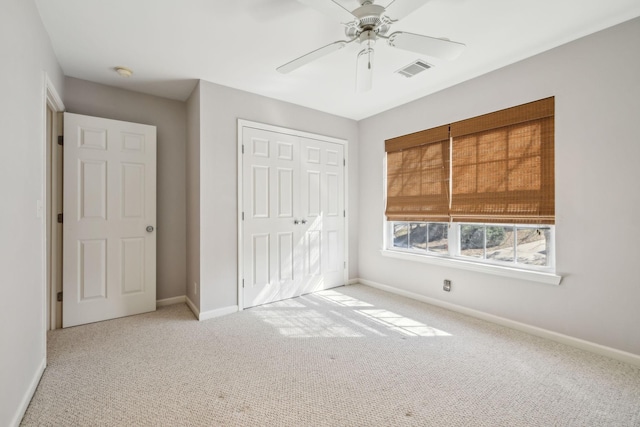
point(431, 46)
point(398, 9)
point(311, 56)
point(330, 8)
point(364, 70)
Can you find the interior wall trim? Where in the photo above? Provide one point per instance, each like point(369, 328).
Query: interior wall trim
point(192, 307)
point(218, 312)
point(210, 314)
point(623, 356)
point(26, 399)
point(170, 301)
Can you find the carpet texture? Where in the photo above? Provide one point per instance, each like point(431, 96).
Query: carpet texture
point(351, 356)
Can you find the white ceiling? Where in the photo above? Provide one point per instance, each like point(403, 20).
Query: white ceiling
point(170, 44)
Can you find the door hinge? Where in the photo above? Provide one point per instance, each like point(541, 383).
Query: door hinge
point(59, 296)
point(344, 214)
point(60, 218)
point(243, 283)
point(243, 216)
point(242, 148)
point(345, 264)
point(60, 140)
point(344, 162)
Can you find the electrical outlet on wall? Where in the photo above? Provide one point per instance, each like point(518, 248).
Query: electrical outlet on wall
point(447, 285)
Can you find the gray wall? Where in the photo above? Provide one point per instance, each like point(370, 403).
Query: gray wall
point(597, 89)
point(170, 118)
point(27, 54)
point(193, 196)
point(220, 108)
point(596, 84)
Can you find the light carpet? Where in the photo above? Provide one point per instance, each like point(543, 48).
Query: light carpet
point(351, 356)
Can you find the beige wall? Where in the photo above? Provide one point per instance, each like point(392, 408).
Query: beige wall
point(597, 94)
point(170, 118)
point(220, 108)
point(26, 55)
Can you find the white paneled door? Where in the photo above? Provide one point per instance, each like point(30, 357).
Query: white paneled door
point(294, 219)
point(109, 237)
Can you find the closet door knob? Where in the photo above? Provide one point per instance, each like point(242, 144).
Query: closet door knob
point(304, 221)
point(296, 222)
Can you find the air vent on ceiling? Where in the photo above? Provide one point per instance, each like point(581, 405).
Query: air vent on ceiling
point(413, 68)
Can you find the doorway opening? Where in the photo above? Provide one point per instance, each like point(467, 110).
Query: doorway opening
point(52, 194)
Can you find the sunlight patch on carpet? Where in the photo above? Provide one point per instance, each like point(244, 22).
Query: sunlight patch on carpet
point(402, 324)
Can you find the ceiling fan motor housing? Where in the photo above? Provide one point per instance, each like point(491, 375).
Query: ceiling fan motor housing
point(369, 18)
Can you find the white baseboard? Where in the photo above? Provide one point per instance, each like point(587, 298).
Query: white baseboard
point(171, 301)
point(26, 399)
point(353, 282)
point(602, 350)
point(192, 307)
point(206, 315)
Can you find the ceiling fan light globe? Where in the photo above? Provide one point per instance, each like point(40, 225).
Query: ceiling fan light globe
point(367, 38)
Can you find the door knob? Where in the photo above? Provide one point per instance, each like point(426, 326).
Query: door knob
point(304, 221)
point(149, 228)
point(296, 222)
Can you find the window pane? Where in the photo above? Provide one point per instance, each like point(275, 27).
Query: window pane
point(438, 238)
point(500, 243)
point(533, 246)
point(418, 236)
point(472, 240)
point(400, 235)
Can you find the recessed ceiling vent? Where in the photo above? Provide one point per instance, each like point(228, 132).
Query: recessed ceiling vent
point(413, 68)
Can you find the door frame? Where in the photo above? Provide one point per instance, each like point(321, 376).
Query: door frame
point(242, 123)
point(50, 252)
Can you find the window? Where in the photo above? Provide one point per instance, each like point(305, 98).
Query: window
point(429, 237)
point(481, 190)
point(527, 247)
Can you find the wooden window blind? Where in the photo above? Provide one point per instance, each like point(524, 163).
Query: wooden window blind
point(502, 169)
point(418, 176)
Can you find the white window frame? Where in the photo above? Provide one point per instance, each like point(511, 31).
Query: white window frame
point(545, 275)
point(453, 243)
point(542, 274)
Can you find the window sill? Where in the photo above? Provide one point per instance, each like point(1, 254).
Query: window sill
point(533, 276)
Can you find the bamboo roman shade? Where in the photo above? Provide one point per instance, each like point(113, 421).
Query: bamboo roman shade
point(418, 176)
point(501, 167)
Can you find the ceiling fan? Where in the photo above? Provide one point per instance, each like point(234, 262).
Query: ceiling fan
point(365, 25)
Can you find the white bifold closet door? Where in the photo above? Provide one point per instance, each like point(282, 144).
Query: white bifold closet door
point(109, 238)
point(294, 218)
